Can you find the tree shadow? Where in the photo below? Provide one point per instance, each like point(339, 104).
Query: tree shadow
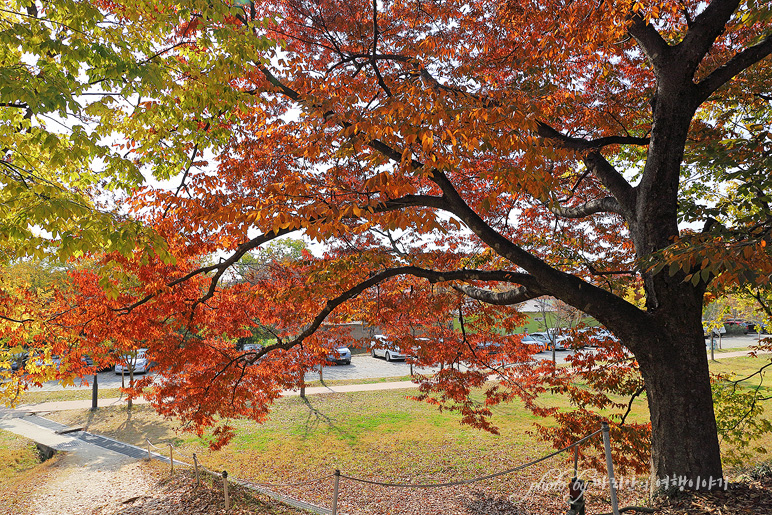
point(481, 503)
point(316, 419)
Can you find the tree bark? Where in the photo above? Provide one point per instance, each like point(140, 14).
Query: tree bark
point(684, 437)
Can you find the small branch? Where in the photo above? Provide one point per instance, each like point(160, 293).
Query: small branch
point(17, 321)
point(596, 272)
point(570, 142)
point(638, 392)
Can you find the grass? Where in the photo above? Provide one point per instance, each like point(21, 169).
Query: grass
point(362, 433)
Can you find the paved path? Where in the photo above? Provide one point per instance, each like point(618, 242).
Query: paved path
point(45, 407)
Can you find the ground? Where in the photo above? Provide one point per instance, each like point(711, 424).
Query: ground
point(122, 487)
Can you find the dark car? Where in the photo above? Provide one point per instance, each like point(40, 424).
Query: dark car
point(341, 356)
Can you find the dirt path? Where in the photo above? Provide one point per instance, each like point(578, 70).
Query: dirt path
point(94, 482)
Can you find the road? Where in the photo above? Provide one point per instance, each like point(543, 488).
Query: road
point(363, 366)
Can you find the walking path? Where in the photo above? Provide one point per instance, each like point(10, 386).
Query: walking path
point(45, 407)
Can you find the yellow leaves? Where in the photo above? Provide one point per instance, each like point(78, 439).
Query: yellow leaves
point(427, 140)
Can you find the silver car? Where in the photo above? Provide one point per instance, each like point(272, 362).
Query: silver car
point(139, 363)
point(379, 348)
point(341, 356)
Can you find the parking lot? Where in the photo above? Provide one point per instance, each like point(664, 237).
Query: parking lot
point(363, 366)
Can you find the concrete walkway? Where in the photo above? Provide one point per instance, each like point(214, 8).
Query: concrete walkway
point(46, 407)
point(739, 354)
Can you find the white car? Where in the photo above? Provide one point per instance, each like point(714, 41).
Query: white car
point(139, 363)
point(379, 348)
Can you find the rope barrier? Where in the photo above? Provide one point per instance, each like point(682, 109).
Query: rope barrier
point(283, 485)
point(256, 483)
point(482, 478)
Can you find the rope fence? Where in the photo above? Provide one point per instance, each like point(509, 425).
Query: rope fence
point(474, 480)
point(576, 504)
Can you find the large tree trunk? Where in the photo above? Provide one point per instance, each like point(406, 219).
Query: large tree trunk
point(684, 438)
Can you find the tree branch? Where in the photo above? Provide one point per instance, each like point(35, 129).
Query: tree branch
point(570, 142)
point(734, 66)
point(499, 298)
point(702, 33)
point(655, 48)
point(603, 205)
point(432, 276)
point(613, 181)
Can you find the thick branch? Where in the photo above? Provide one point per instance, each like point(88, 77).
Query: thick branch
point(655, 48)
point(614, 182)
point(734, 66)
point(499, 298)
point(703, 31)
point(603, 205)
point(570, 142)
point(597, 164)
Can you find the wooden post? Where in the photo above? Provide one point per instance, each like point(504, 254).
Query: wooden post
point(335, 492)
point(195, 466)
point(610, 467)
point(171, 457)
point(225, 489)
point(576, 460)
point(148, 449)
point(94, 394)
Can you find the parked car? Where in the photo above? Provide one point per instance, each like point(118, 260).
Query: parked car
point(380, 348)
point(593, 336)
point(341, 356)
point(547, 339)
point(528, 339)
point(138, 362)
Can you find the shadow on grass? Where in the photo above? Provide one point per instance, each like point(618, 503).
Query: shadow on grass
point(316, 420)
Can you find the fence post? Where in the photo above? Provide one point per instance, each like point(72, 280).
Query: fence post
point(225, 489)
point(610, 467)
point(195, 465)
point(148, 448)
point(576, 460)
point(171, 458)
point(335, 493)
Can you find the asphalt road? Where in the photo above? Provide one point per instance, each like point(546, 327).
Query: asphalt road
point(363, 366)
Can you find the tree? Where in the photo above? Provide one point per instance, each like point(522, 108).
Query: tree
point(509, 151)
